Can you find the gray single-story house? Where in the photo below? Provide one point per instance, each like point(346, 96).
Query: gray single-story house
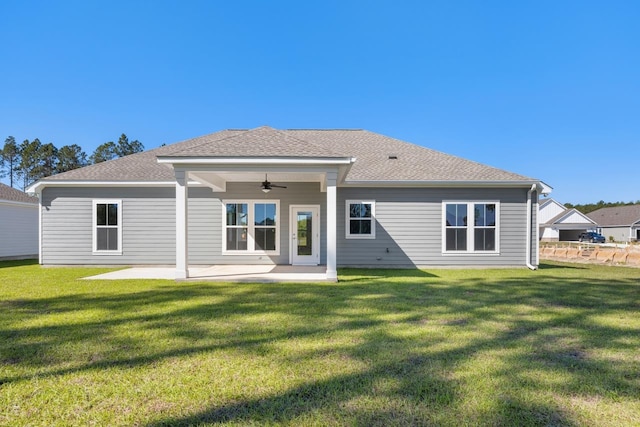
point(559, 223)
point(299, 197)
point(18, 224)
point(620, 223)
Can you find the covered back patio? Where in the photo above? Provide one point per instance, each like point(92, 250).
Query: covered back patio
point(216, 173)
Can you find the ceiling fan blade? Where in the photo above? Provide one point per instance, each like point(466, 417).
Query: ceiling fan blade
point(266, 185)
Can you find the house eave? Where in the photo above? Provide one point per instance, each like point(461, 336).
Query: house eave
point(38, 186)
point(16, 203)
point(183, 161)
point(440, 183)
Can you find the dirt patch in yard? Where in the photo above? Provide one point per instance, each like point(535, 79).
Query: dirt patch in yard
point(628, 256)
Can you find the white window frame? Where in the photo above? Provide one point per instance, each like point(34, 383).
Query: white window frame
point(471, 227)
point(347, 217)
point(95, 226)
point(251, 244)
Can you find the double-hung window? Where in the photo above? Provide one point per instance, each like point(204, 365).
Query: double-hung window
point(107, 226)
point(470, 227)
point(360, 219)
point(251, 227)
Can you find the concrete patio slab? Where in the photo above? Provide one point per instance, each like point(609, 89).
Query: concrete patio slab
point(224, 273)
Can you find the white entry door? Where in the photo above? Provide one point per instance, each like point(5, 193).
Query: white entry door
point(305, 235)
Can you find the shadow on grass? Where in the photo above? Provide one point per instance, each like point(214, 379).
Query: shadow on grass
point(17, 263)
point(413, 335)
point(347, 275)
point(547, 266)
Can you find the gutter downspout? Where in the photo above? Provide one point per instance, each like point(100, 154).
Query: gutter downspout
point(529, 229)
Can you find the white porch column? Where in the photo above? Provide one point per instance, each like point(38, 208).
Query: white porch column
point(332, 272)
point(182, 224)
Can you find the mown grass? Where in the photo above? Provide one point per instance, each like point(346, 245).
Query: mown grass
point(559, 346)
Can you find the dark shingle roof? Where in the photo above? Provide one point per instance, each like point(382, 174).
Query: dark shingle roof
point(371, 150)
point(13, 195)
point(619, 215)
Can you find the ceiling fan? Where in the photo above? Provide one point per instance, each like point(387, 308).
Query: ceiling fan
point(267, 186)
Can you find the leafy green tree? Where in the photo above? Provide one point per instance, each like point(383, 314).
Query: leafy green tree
point(47, 159)
point(590, 207)
point(70, 157)
point(126, 147)
point(111, 150)
point(29, 161)
point(104, 152)
point(9, 160)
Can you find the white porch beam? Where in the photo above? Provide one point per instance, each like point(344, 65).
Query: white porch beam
point(215, 182)
point(182, 224)
point(331, 182)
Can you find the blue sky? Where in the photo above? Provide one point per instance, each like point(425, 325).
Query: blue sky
point(548, 89)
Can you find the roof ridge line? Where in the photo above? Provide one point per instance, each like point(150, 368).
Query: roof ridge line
point(282, 132)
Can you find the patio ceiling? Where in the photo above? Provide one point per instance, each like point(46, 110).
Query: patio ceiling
point(217, 180)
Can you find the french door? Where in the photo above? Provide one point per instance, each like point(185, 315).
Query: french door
point(305, 235)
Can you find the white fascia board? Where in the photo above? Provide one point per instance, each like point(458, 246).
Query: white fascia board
point(434, 184)
point(548, 201)
point(38, 186)
point(21, 204)
point(544, 188)
point(576, 226)
point(255, 160)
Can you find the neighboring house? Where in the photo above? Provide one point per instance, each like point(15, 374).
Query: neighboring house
point(558, 223)
point(622, 223)
point(18, 224)
point(301, 197)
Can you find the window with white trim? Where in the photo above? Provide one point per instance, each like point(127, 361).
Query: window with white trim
point(360, 219)
point(470, 227)
point(251, 226)
point(107, 226)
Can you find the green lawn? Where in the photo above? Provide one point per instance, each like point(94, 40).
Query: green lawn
point(558, 346)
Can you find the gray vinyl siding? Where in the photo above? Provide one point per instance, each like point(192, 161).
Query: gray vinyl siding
point(408, 225)
point(148, 226)
point(619, 234)
point(205, 222)
point(18, 230)
point(409, 228)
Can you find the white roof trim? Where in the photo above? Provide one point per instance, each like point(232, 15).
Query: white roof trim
point(255, 160)
point(441, 183)
point(16, 203)
point(570, 212)
point(38, 186)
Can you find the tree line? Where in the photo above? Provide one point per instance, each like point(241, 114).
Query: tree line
point(25, 163)
point(590, 207)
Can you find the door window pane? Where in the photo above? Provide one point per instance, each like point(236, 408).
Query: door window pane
point(305, 233)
